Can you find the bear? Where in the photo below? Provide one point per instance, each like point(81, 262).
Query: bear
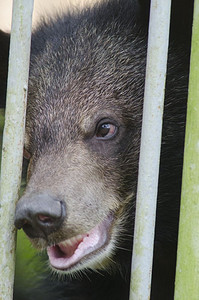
point(82, 140)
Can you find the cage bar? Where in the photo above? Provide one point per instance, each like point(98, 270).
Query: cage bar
point(150, 150)
point(12, 150)
point(187, 272)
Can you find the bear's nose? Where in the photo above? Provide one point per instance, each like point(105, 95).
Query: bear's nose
point(39, 214)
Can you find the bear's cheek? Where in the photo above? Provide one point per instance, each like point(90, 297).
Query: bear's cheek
point(91, 203)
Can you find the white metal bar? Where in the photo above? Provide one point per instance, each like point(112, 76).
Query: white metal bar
point(150, 150)
point(12, 152)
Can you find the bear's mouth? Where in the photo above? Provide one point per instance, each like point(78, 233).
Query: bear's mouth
point(69, 252)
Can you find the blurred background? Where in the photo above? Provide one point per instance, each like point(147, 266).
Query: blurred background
point(41, 7)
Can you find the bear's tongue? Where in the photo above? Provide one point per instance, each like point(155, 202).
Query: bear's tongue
point(67, 253)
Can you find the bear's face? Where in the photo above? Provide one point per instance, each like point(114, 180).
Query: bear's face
point(82, 134)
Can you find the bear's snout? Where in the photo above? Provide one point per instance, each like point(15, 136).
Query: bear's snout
point(39, 214)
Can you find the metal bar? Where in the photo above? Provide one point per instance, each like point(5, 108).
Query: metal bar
point(12, 150)
point(150, 150)
point(187, 272)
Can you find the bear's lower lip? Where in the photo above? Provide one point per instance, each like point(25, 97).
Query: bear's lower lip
point(69, 252)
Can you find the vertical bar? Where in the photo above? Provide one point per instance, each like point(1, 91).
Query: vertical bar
point(12, 150)
point(187, 272)
point(150, 150)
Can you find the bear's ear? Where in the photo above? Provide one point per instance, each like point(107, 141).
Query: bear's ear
point(4, 52)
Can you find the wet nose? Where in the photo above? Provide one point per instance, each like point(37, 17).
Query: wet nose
point(39, 215)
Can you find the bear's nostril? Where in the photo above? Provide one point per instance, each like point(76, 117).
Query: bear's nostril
point(45, 219)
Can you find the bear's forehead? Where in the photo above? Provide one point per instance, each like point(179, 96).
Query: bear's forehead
point(56, 116)
point(67, 85)
point(70, 95)
point(71, 103)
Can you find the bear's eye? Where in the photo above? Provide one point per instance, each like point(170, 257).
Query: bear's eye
point(26, 154)
point(106, 130)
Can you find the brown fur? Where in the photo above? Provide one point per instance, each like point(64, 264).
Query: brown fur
point(87, 68)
